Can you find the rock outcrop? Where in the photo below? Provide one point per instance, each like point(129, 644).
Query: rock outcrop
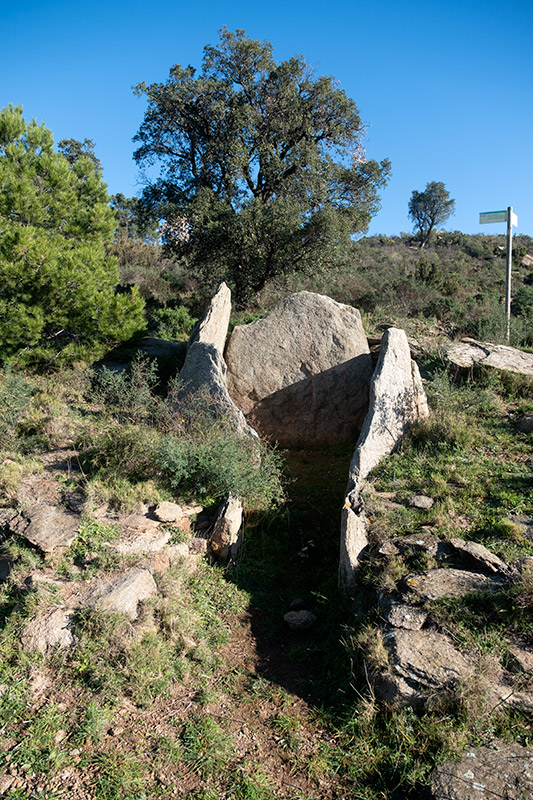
point(301, 375)
point(470, 353)
point(500, 770)
point(45, 526)
point(397, 399)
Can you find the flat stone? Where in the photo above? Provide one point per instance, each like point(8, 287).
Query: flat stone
point(501, 770)
point(47, 527)
point(139, 524)
point(421, 501)
point(421, 541)
point(469, 353)
point(49, 630)
point(168, 512)
point(388, 548)
point(142, 544)
point(123, 594)
point(425, 661)
point(479, 555)
point(405, 616)
point(438, 583)
point(300, 620)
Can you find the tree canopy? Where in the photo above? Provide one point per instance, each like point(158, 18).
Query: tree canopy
point(261, 165)
point(57, 283)
point(429, 208)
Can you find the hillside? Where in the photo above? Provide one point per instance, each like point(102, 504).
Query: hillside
point(197, 687)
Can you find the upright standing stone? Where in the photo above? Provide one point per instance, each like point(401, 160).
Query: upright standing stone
point(397, 398)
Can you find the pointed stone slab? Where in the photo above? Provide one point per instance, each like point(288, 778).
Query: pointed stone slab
point(397, 399)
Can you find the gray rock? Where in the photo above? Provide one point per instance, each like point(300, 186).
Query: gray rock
point(47, 527)
point(160, 348)
point(405, 616)
point(438, 583)
point(300, 620)
point(397, 399)
point(421, 501)
point(301, 375)
point(142, 544)
point(502, 770)
point(225, 533)
point(49, 630)
point(421, 662)
point(479, 555)
point(212, 327)
point(123, 594)
point(204, 375)
point(469, 353)
point(168, 512)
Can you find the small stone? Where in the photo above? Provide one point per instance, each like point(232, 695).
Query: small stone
point(421, 501)
point(525, 424)
point(297, 604)
point(168, 512)
point(300, 620)
point(388, 548)
point(522, 658)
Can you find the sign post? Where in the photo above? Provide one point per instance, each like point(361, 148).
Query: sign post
point(511, 219)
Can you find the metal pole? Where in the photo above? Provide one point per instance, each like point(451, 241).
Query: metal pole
point(508, 274)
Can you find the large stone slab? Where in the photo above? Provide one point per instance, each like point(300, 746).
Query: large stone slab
point(470, 353)
point(47, 527)
point(397, 399)
point(301, 375)
point(203, 375)
point(501, 770)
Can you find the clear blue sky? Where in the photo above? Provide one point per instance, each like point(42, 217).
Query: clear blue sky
point(445, 88)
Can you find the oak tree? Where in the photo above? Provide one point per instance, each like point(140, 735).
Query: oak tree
point(261, 165)
point(431, 207)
